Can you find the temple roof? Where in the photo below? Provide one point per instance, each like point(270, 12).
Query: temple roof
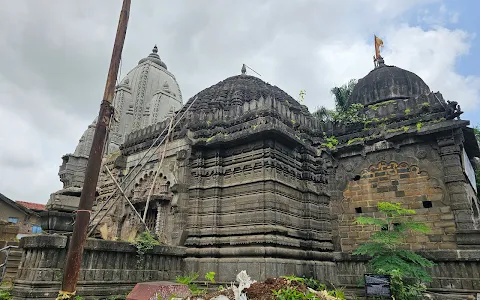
point(237, 90)
point(387, 83)
point(154, 57)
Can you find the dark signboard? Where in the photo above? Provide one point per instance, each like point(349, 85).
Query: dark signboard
point(377, 285)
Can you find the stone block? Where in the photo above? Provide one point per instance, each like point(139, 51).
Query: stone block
point(43, 241)
point(161, 290)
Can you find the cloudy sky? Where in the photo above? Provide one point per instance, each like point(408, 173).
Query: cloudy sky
point(55, 55)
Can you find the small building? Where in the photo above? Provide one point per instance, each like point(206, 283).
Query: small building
point(23, 214)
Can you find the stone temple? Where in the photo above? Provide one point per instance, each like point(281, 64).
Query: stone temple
point(249, 180)
point(146, 96)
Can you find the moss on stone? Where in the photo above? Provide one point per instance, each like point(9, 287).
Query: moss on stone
point(376, 106)
point(354, 140)
point(407, 111)
point(404, 128)
point(424, 104)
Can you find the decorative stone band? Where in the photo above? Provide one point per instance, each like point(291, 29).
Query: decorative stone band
point(456, 271)
point(108, 267)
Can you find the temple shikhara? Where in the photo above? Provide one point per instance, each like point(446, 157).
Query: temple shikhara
point(243, 177)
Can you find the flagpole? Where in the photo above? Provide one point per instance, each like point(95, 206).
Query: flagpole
point(77, 241)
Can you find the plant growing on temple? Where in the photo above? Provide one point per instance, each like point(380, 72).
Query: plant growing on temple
point(144, 242)
point(330, 142)
point(301, 96)
point(210, 277)
point(189, 281)
point(406, 268)
point(341, 96)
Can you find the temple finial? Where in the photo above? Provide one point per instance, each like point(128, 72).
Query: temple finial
point(155, 49)
point(244, 69)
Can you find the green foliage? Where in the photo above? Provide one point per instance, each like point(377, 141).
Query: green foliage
point(324, 114)
point(301, 96)
point(330, 142)
point(144, 243)
point(404, 128)
point(407, 111)
point(314, 284)
point(425, 104)
point(354, 140)
point(419, 125)
point(342, 94)
point(387, 257)
point(343, 110)
point(210, 276)
point(290, 293)
point(5, 294)
point(173, 296)
point(350, 115)
point(189, 281)
point(376, 106)
point(310, 283)
point(209, 122)
point(294, 278)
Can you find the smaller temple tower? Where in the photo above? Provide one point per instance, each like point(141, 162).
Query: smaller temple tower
point(145, 96)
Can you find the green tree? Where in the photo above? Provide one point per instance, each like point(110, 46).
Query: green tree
point(341, 95)
point(406, 268)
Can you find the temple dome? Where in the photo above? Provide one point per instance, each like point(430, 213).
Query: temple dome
point(387, 83)
point(237, 90)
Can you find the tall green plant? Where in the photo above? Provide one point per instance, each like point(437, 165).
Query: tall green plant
point(406, 268)
point(342, 95)
point(343, 112)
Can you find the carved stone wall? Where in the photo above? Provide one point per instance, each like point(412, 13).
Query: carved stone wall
point(259, 205)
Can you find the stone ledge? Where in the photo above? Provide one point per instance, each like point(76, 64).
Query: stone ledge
point(266, 252)
point(43, 241)
point(114, 246)
point(59, 241)
point(435, 255)
point(468, 237)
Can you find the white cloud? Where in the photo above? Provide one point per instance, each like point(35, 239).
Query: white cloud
point(439, 17)
point(54, 62)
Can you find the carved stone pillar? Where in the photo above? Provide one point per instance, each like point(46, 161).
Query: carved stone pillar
point(161, 224)
point(455, 180)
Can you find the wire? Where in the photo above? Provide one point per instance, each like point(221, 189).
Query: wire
point(253, 70)
point(158, 146)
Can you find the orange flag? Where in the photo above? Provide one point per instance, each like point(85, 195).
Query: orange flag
point(378, 44)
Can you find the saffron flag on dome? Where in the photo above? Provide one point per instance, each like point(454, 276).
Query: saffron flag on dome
point(378, 44)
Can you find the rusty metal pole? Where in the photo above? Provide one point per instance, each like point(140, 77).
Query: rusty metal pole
point(77, 241)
